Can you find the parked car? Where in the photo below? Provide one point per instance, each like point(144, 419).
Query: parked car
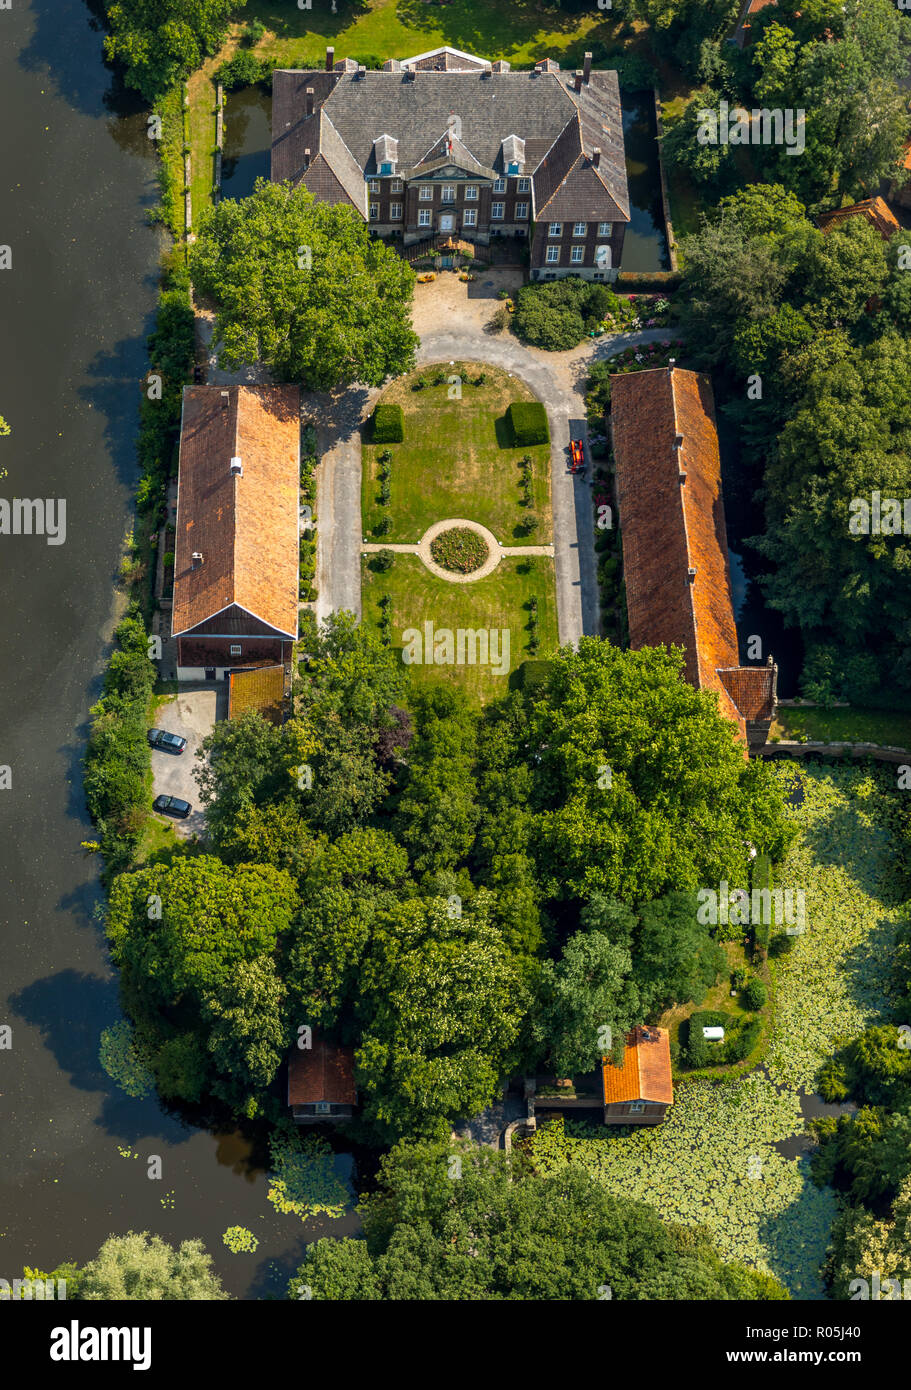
point(168, 743)
point(172, 806)
point(576, 456)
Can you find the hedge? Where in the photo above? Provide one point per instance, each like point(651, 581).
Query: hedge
point(388, 424)
point(647, 282)
point(117, 768)
point(528, 420)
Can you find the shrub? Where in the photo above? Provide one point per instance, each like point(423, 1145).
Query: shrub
point(384, 561)
point(743, 1042)
point(557, 315)
point(755, 995)
point(383, 526)
point(528, 421)
point(500, 319)
point(459, 549)
point(117, 766)
point(388, 424)
point(243, 70)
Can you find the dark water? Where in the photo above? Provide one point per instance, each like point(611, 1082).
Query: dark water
point(645, 243)
point(78, 177)
point(247, 141)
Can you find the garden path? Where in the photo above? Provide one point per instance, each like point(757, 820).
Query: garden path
point(496, 551)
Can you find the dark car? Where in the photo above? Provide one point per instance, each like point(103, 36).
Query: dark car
point(172, 806)
point(168, 743)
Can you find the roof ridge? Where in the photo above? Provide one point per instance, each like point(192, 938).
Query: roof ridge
point(686, 535)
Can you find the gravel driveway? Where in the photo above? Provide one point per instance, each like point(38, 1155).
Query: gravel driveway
point(192, 714)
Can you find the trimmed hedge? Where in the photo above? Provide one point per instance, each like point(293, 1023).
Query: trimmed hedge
point(528, 421)
point(388, 424)
point(647, 281)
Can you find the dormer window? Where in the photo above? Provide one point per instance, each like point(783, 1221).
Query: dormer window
point(386, 167)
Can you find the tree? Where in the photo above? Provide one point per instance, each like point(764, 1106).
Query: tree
point(247, 1038)
point(629, 782)
point(144, 1267)
point(160, 41)
point(181, 930)
point(302, 287)
point(437, 815)
point(587, 990)
point(241, 767)
point(675, 958)
point(863, 1243)
point(460, 1222)
point(438, 1015)
point(351, 674)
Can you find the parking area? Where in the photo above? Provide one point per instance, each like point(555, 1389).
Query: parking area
point(191, 713)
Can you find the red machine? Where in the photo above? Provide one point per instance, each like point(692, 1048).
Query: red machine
point(577, 456)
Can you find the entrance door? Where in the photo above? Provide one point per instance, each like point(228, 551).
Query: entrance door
point(447, 221)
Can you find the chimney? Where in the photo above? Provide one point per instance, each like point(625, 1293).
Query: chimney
point(586, 68)
point(577, 80)
point(197, 559)
point(306, 159)
point(678, 441)
point(596, 156)
point(691, 575)
point(409, 75)
point(237, 468)
point(361, 72)
point(330, 59)
point(309, 101)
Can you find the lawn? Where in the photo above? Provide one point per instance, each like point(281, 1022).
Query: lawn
point(457, 460)
point(842, 726)
point(497, 602)
point(719, 998)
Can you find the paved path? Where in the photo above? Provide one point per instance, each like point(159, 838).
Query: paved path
point(556, 378)
point(495, 551)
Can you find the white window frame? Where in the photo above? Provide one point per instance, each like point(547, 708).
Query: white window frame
point(604, 228)
point(521, 212)
point(395, 185)
point(471, 192)
point(576, 227)
point(637, 1107)
point(523, 186)
point(497, 211)
point(237, 649)
point(374, 212)
point(552, 256)
point(395, 212)
point(499, 185)
point(555, 229)
point(448, 193)
point(373, 185)
point(424, 217)
point(576, 255)
point(470, 217)
point(426, 193)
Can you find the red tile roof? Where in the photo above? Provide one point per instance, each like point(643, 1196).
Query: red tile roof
point(323, 1072)
point(675, 557)
point(875, 210)
point(245, 528)
point(646, 1070)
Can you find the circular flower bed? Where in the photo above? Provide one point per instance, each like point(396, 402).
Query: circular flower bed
point(459, 549)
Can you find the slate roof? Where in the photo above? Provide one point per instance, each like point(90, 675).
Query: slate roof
point(246, 528)
point(675, 556)
point(875, 210)
point(646, 1070)
point(560, 127)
